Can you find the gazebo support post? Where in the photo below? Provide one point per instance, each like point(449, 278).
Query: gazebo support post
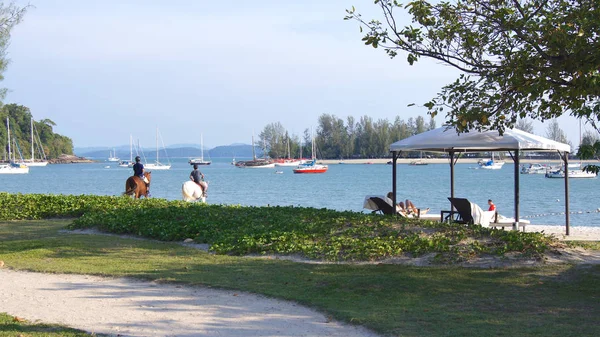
point(516, 160)
point(451, 177)
point(565, 157)
point(394, 161)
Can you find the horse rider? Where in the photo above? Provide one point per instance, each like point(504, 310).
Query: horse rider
point(198, 177)
point(138, 170)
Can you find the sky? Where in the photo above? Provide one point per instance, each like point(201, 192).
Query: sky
point(105, 70)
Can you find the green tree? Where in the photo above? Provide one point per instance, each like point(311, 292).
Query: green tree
point(10, 16)
point(517, 59)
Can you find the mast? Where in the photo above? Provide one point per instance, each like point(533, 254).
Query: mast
point(32, 157)
point(8, 131)
point(201, 148)
point(157, 145)
point(253, 151)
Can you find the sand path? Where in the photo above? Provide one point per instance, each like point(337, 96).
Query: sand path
point(126, 307)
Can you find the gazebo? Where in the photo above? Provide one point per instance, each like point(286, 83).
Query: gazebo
point(446, 140)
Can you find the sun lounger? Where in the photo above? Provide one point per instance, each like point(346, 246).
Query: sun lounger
point(383, 205)
point(470, 212)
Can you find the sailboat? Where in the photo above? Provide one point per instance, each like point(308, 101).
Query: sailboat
point(112, 156)
point(255, 163)
point(129, 163)
point(311, 166)
point(11, 167)
point(158, 165)
point(200, 161)
point(289, 161)
point(491, 164)
point(419, 161)
point(32, 162)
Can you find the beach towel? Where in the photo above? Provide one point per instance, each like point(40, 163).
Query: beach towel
point(481, 217)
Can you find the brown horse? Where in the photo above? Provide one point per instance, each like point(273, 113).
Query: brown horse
point(136, 186)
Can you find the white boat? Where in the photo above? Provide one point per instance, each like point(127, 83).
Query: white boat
point(534, 168)
point(158, 165)
point(560, 173)
point(11, 167)
point(200, 161)
point(35, 141)
point(112, 156)
point(491, 164)
point(128, 163)
point(312, 166)
point(289, 162)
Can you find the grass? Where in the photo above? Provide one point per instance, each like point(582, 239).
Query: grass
point(393, 300)
point(15, 326)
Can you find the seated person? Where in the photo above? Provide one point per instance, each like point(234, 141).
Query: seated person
point(407, 207)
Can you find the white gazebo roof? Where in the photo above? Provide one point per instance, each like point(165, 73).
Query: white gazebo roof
point(445, 139)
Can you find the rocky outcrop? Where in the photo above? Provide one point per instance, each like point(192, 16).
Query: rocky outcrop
point(69, 159)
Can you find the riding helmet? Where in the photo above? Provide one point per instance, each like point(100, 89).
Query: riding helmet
point(137, 158)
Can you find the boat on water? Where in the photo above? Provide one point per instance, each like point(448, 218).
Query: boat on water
point(418, 162)
point(534, 168)
point(289, 161)
point(200, 161)
point(255, 163)
point(491, 164)
point(112, 156)
point(157, 165)
point(12, 167)
point(130, 162)
point(560, 173)
point(35, 141)
point(311, 166)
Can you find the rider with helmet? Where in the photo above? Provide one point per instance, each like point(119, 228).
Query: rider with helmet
point(138, 170)
point(198, 178)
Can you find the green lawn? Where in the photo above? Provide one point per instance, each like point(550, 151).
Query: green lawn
point(394, 300)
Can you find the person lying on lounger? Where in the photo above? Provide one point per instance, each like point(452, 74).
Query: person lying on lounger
point(407, 207)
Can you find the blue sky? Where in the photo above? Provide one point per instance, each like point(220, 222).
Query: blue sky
point(102, 70)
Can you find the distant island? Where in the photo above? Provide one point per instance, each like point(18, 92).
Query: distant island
point(223, 151)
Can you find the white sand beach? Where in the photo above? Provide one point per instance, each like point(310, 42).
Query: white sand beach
point(576, 233)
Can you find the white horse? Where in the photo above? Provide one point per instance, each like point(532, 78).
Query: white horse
point(192, 192)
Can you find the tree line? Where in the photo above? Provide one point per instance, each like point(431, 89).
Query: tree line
point(336, 138)
point(19, 118)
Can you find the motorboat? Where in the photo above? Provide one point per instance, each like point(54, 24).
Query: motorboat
point(560, 173)
point(490, 164)
point(418, 162)
point(534, 168)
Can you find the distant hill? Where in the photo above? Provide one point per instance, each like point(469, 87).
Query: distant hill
point(224, 151)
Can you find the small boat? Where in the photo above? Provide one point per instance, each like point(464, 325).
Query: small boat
point(158, 165)
point(112, 156)
point(534, 168)
point(11, 167)
point(128, 163)
point(311, 166)
point(200, 161)
point(107, 166)
point(278, 172)
point(490, 164)
point(560, 173)
point(418, 162)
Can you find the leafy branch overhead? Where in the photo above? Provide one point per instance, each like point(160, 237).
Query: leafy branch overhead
point(518, 59)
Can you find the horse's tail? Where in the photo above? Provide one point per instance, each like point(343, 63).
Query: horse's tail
point(130, 186)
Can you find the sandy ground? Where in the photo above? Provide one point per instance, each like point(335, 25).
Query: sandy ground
point(125, 307)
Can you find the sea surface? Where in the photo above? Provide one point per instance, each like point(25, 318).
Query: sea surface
point(343, 187)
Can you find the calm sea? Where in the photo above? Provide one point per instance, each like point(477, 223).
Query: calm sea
point(343, 187)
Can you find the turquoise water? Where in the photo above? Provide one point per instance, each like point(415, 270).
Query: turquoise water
point(343, 187)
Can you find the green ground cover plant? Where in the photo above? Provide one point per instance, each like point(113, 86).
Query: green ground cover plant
point(313, 233)
point(11, 326)
point(394, 300)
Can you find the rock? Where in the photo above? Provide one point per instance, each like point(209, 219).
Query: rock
point(188, 240)
point(69, 159)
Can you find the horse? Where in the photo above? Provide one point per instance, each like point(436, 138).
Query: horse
point(136, 186)
point(192, 192)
